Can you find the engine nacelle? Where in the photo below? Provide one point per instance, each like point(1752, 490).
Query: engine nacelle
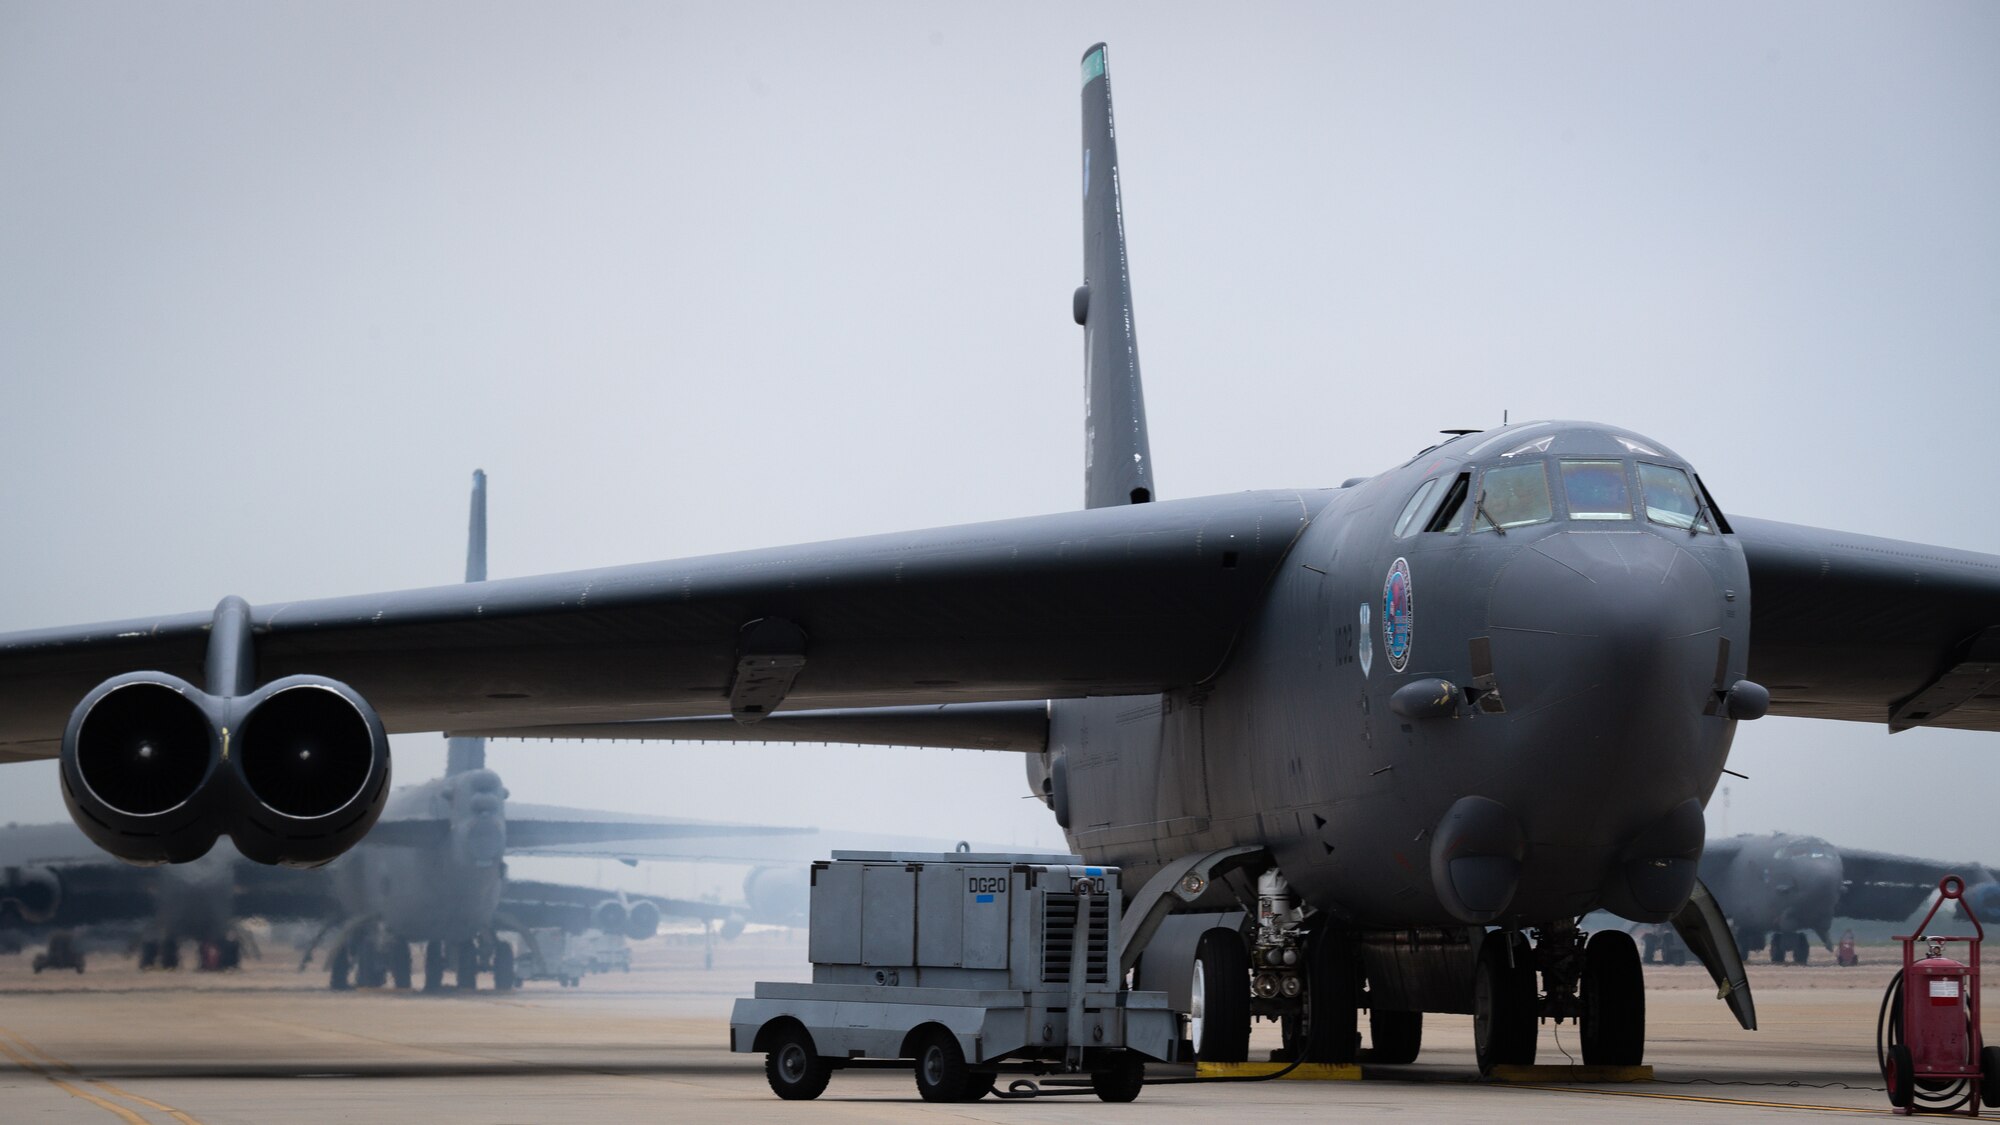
point(155, 769)
point(609, 916)
point(34, 894)
point(642, 921)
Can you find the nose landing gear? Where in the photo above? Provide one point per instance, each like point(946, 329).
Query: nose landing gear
point(1598, 983)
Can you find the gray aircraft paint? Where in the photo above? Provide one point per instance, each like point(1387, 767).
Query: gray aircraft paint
point(1221, 613)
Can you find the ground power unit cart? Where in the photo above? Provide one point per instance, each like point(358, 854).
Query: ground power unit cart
point(968, 968)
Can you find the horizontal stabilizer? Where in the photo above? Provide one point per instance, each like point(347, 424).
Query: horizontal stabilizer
point(1018, 726)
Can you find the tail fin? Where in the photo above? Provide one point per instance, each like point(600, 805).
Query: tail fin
point(1117, 459)
point(463, 755)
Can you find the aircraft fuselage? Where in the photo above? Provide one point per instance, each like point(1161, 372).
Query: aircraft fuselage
point(1571, 718)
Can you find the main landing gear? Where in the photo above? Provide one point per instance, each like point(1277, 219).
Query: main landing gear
point(1562, 975)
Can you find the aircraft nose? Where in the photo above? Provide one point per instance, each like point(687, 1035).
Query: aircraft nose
point(1604, 652)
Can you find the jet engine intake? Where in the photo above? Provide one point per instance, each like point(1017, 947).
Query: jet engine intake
point(609, 916)
point(642, 921)
point(154, 769)
point(139, 761)
point(34, 894)
point(312, 772)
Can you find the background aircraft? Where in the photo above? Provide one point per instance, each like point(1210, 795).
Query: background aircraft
point(1321, 445)
point(1778, 885)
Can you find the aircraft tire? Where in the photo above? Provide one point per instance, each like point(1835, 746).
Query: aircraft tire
point(1778, 944)
point(1394, 1038)
point(1219, 1024)
point(369, 972)
point(1613, 1024)
point(1801, 949)
point(433, 966)
point(399, 963)
point(170, 955)
point(1506, 1020)
point(468, 967)
point(942, 1075)
point(1122, 1080)
point(336, 970)
point(1652, 950)
point(1333, 1000)
point(793, 1066)
point(503, 968)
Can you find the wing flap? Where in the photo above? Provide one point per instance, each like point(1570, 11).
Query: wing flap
point(1017, 726)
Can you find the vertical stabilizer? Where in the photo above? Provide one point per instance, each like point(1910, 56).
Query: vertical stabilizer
point(465, 754)
point(1117, 459)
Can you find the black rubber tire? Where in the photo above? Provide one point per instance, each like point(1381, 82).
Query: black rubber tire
point(369, 972)
point(1989, 1077)
point(1901, 1077)
point(467, 965)
point(1613, 1023)
point(793, 1066)
point(942, 1075)
point(503, 968)
point(1506, 1003)
point(1778, 944)
point(433, 966)
point(982, 1085)
point(1122, 1080)
point(336, 970)
point(170, 955)
point(1333, 999)
point(1222, 965)
point(399, 964)
point(1394, 1038)
point(1801, 949)
point(1678, 955)
point(1652, 948)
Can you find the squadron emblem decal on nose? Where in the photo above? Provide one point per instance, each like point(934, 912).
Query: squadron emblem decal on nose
point(1399, 607)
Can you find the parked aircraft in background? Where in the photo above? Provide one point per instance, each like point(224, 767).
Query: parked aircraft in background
point(1779, 886)
point(1423, 722)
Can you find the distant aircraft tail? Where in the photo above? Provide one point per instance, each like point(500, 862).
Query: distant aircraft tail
point(466, 754)
point(1118, 460)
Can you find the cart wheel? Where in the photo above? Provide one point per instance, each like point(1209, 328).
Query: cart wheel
point(1900, 1075)
point(941, 1072)
point(1989, 1078)
point(1120, 1081)
point(795, 1070)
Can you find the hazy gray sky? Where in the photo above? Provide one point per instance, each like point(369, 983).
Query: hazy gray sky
point(274, 278)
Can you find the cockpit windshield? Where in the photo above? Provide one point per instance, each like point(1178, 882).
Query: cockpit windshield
point(1670, 497)
point(1596, 490)
point(1514, 496)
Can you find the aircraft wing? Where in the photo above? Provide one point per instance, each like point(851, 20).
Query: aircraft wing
point(1130, 599)
point(1872, 630)
point(535, 904)
point(1890, 888)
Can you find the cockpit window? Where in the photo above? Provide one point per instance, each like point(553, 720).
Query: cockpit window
point(1670, 497)
point(1446, 516)
point(1515, 496)
point(1596, 490)
point(1415, 505)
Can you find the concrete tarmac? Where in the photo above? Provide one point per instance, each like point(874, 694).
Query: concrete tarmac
point(271, 1044)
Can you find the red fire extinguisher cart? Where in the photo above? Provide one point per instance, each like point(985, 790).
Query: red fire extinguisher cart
point(1927, 1038)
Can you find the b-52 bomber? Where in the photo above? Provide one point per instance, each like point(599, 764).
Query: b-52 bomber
point(1418, 724)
